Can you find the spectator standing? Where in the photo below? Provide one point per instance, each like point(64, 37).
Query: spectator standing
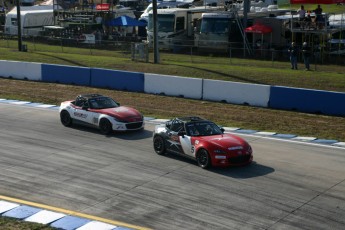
point(98, 19)
point(318, 14)
point(306, 51)
point(98, 36)
point(293, 51)
point(301, 13)
point(318, 10)
point(308, 20)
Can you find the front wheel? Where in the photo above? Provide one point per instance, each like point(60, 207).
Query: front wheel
point(105, 127)
point(65, 118)
point(203, 159)
point(159, 145)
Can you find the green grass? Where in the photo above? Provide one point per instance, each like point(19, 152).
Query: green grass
point(331, 8)
point(7, 223)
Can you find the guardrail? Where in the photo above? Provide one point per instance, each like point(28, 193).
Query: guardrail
point(276, 97)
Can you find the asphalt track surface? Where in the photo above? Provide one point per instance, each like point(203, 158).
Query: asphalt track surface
point(119, 177)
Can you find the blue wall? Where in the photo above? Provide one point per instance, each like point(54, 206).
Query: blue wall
point(306, 100)
point(66, 74)
point(119, 80)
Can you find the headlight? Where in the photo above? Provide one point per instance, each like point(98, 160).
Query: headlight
point(118, 120)
point(219, 151)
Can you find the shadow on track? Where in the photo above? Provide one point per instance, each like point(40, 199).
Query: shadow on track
point(125, 135)
point(244, 172)
point(240, 172)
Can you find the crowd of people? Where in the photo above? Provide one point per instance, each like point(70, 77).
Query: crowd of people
point(306, 20)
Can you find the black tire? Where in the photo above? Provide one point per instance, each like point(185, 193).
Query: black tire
point(65, 118)
point(203, 159)
point(159, 145)
point(105, 127)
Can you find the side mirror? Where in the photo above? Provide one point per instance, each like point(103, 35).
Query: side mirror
point(222, 129)
point(181, 133)
point(84, 108)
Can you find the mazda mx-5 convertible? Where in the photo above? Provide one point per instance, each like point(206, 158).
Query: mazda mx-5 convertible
point(203, 141)
point(101, 112)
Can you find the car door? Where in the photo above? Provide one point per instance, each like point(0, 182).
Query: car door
point(186, 141)
point(179, 141)
point(186, 145)
point(80, 112)
point(173, 139)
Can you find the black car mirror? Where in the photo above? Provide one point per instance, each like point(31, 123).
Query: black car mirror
point(84, 108)
point(181, 133)
point(222, 129)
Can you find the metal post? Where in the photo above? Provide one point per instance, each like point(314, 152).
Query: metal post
point(19, 26)
point(191, 53)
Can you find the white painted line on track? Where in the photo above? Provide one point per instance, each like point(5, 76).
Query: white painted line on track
point(290, 141)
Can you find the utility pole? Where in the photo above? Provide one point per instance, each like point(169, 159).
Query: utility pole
point(155, 32)
point(19, 26)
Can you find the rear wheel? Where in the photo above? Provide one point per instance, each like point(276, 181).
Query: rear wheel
point(65, 118)
point(105, 126)
point(159, 145)
point(203, 159)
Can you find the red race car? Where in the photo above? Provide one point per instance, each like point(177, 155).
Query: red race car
point(101, 112)
point(203, 141)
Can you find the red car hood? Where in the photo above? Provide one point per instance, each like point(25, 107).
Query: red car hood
point(122, 113)
point(224, 140)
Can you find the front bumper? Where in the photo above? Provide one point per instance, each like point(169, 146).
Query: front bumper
point(227, 161)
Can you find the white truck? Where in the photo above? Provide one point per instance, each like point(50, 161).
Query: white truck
point(33, 18)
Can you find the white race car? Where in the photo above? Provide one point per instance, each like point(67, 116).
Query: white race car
point(101, 112)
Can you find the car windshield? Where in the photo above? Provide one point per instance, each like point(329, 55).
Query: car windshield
point(203, 129)
point(102, 103)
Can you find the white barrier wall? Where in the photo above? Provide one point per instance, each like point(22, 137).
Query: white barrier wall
point(21, 70)
point(173, 86)
point(237, 93)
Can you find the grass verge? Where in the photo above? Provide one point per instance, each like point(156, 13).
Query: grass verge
point(7, 223)
point(262, 119)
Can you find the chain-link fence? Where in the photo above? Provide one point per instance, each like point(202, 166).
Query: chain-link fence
point(138, 50)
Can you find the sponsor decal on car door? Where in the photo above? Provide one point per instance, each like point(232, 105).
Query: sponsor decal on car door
point(83, 115)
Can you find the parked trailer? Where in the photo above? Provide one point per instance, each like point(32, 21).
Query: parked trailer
point(176, 26)
point(32, 20)
point(218, 31)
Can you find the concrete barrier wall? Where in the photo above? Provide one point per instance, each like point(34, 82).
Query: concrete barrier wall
point(66, 74)
point(173, 86)
point(21, 70)
point(276, 97)
point(306, 100)
point(119, 80)
point(236, 93)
